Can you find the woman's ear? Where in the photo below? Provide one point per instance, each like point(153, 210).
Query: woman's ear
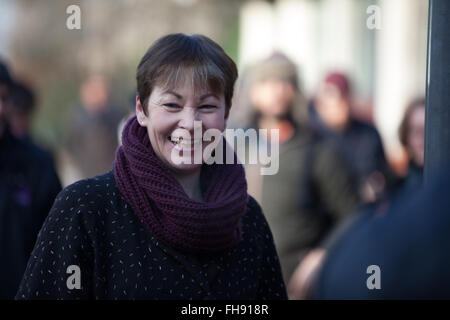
point(140, 113)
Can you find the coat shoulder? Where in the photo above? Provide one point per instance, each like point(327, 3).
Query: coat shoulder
point(87, 196)
point(254, 220)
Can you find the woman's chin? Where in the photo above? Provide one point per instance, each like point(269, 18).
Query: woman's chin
point(184, 160)
point(184, 168)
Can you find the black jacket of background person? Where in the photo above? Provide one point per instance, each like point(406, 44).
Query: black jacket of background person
point(410, 243)
point(92, 227)
point(28, 187)
point(359, 145)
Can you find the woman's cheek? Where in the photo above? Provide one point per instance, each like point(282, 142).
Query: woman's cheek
point(215, 121)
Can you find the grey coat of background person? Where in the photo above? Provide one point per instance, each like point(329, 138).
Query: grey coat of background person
point(311, 193)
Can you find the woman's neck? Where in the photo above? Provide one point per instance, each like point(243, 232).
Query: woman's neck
point(191, 184)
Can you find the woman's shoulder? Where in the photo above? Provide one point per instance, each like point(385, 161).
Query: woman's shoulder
point(88, 196)
point(86, 189)
point(253, 206)
point(254, 220)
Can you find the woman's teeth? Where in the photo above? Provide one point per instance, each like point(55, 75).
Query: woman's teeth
point(185, 142)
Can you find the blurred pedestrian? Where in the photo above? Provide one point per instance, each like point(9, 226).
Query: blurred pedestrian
point(28, 187)
point(412, 137)
point(312, 190)
point(20, 115)
point(357, 142)
point(127, 116)
point(91, 139)
point(20, 118)
point(156, 228)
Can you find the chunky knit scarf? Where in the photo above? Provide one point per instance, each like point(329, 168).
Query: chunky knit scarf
point(155, 195)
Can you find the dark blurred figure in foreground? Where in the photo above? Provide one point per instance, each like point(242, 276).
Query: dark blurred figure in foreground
point(20, 115)
point(412, 136)
point(410, 245)
point(311, 192)
point(28, 187)
point(20, 118)
point(91, 140)
point(358, 143)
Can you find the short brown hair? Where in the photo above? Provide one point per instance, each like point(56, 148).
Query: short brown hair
point(210, 66)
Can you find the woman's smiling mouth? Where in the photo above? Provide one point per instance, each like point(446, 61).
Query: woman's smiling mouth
point(185, 144)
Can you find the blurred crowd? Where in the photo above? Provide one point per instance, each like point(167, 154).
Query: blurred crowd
point(332, 165)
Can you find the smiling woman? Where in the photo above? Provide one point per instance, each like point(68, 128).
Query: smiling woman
point(170, 121)
point(154, 228)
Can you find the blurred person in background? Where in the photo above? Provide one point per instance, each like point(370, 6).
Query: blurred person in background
point(312, 191)
point(20, 118)
point(412, 137)
point(357, 142)
point(91, 138)
point(127, 116)
point(28, 187)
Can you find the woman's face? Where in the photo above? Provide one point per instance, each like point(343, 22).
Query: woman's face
point(170, 116)
point(416, 135)
point(332, 106)
point(272, 97)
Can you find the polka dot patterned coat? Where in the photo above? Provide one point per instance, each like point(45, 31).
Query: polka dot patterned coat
point(93, 246)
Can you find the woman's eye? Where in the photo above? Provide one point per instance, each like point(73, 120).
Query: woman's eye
point(172, 106)
point(208, 107)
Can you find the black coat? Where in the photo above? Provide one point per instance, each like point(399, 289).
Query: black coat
point(28, 186)
point(91, 226)
point(410, 243)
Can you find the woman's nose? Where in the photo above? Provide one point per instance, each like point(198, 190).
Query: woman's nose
point(188, 116)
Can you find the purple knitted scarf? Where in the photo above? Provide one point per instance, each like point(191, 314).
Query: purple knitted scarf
point(155, 195)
